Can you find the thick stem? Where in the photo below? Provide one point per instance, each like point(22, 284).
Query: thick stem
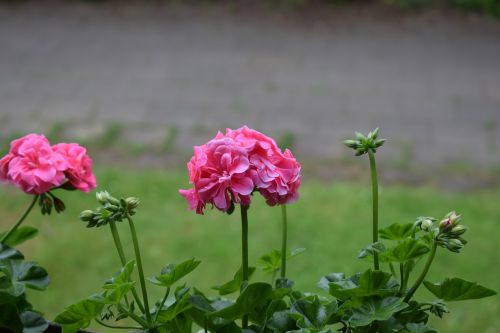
point(18, 223)
point(421, 278)
point(283, 241)
point(244, 252)
point(139, 268)
point(123, 259)
point(373, 170)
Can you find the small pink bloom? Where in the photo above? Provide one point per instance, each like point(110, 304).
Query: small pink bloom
point(79, 166)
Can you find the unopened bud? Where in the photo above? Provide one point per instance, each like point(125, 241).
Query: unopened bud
point(458, 230)
point(87, 215)
point(104, 198)
point(426, 225)
point(59, 205)
point(454, 245)
point(132, 202)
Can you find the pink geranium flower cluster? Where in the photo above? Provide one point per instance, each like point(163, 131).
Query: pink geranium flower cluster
point(36, 167)
point(229, 168)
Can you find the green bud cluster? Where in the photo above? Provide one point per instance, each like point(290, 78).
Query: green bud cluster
point(111, 210)
point(363, 144)
point(450, 231)
point(47, 201)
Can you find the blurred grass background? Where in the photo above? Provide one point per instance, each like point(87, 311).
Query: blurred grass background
point(331, 220)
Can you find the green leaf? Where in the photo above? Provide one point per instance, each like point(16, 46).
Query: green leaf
point(376, 309)
point(33, 322)
point(253, 295)
point(324, 282)
point(234, 285)
point(456, 289)
point(311, 313)
point(122, 276)
point(79, 315)
point(174, 306)
point(417, 328)
point(22, 274)
point(9, 318)
point(366, 284)
point(20, 235)
point(172, 273)
point(113, 295)
point(405, 250)
point(368, 251)
point(7, 252)
point(396, 231)
point(271, 262)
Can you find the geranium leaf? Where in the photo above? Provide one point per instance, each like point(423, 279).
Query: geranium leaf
point(22, 274)
point(311, 313)
point(122, 276)
point(33, 322)
point(235, 284)
point(7, 252)
point(407, 249)
point(79, 315)
point(172, 273)
point(366, 284)
point(376, 309)
point(396, 231)
point(20, 235)
point(253, 295)
point(456, 289)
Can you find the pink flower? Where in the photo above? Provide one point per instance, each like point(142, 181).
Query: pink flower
point(229, 168)
point(79, 166)
point(36, 167)
point(32, 165)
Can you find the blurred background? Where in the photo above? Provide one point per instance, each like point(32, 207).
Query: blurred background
point(140, 83)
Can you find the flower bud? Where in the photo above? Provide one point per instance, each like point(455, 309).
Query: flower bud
point(87, 215)
point(458, 230)
point(454, 245)
point(426, 225)
point(59, 205)
point(104, 197)
point(132, 203)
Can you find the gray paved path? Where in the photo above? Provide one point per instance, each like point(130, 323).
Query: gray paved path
point(432, 84)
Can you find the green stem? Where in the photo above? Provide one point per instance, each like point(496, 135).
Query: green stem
point(161, 305)
point(402, 276)
point(244, 252)
point(118, 327)
point(135, 317)
point(121, 254)
point(391, 267)
point(139, 268)
point(18, 223)
point(373, 170)
point(421, 278)
point(283, 241)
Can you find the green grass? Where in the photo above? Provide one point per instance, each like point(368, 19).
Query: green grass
point(331, 220)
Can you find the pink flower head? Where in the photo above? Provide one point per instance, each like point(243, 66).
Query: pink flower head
point(79, 166)
point(36, 167)
point(228, 168)
point(32, 165)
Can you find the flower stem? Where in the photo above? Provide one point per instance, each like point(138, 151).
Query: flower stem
point(373, 170)
point(139, 268)
point(283, 241)
point(402, 276)
point(18, 223)
point(123, 260)
point(161, 304)
point(244, 253)
point(421, 278)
